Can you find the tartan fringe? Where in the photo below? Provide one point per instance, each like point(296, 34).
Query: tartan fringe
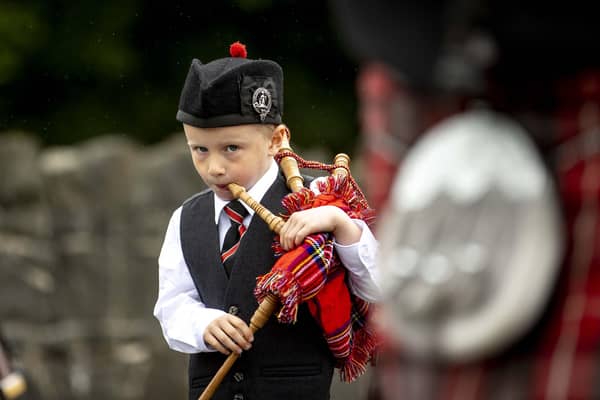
point(286, 288)
point(342, 188)
point(300, 200)
point(362, 352)
point(337, 187)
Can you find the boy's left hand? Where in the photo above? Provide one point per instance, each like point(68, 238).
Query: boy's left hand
point(316, 220)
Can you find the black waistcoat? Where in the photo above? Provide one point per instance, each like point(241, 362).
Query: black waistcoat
point(286, 361)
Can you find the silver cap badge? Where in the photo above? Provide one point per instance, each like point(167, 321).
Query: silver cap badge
point(261, 102)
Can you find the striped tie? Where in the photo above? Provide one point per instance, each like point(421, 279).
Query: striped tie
point(236, 213)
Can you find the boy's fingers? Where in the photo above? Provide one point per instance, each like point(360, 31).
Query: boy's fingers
point(299, 238)
point(292, 233)
point(213, 342)
point(283, 237)
point(242, 329)
point(229, 333)
point(226, 341)
point(236, 342)
point(233, 334)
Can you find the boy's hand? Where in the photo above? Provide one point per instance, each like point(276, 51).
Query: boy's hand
point(315, 220)
point(228, 333)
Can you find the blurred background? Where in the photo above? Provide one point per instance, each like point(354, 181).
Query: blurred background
point(93, 163)
point(70, 72)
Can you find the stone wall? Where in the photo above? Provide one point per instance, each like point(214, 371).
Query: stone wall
point(80, 231)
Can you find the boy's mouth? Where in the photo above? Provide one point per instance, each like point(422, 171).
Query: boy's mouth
point(222, 188)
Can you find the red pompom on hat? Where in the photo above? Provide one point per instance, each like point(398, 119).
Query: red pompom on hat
point(238, 49)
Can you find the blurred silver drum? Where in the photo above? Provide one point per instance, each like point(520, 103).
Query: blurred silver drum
point(470, 241)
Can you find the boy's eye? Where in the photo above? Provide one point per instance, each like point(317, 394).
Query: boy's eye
point(200, 149)
point(231, 147)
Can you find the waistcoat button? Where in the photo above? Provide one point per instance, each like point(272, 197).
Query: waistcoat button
point(234, 310)
point(238, 396)
point(238, 376)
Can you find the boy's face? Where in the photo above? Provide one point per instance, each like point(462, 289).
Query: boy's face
point(232, 154)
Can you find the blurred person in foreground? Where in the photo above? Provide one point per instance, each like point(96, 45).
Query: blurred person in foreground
point(481, 128)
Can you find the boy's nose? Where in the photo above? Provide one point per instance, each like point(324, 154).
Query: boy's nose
point(215, 168)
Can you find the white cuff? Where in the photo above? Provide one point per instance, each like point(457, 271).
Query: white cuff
point(359, 259)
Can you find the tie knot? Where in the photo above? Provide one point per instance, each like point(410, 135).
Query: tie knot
point(236, 211)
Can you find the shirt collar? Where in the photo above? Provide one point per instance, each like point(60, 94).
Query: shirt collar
point(256, 192)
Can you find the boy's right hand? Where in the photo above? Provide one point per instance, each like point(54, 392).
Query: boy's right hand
point(228, 333)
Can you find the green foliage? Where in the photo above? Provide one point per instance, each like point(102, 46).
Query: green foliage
point(74, 70)
point(21, 31)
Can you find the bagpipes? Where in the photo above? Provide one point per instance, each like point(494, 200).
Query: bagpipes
point(312, 272)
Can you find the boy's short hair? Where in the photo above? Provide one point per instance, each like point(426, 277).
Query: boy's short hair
point(232, 91)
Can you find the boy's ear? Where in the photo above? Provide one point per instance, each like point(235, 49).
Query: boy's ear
point(276, 141)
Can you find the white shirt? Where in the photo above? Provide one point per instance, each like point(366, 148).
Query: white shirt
point(182, 315)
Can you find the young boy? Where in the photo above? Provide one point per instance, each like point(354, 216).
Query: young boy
point(229, 109)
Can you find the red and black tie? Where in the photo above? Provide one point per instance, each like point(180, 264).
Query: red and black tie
point(236, 213)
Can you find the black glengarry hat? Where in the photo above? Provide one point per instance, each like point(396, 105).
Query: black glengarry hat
point(232, 91)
